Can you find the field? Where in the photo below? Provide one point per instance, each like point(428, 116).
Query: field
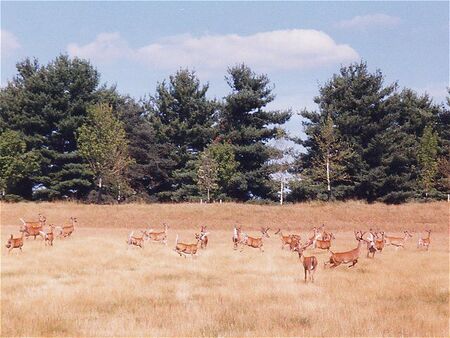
point(93, 285)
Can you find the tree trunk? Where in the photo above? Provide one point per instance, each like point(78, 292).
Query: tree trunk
point(281, 191)
point(208, 194)
point(99, 195)
point(328, 177)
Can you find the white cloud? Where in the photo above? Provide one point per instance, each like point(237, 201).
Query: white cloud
point(9, 42)
point(370, 20)
point(282, 49)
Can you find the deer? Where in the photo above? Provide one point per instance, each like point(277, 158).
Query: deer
point(398, 242)
point(203, 236)
point(14, 243)
point(337, 258)
point(186, 249)
point(255, 242)
point(48, 236)
point(159, 237)
point(309, 263)
point(67, 230)
point(287, 240)
point(379, 242)
point(137, 241)
point(424, 242)
point(237, 238)
point(33, 228)
point(324, 244)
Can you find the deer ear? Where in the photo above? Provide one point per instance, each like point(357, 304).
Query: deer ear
point(11, 236)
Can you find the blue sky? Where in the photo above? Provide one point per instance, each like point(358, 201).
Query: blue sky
point(299, 45)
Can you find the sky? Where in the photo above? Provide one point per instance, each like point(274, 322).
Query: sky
point(299, 45)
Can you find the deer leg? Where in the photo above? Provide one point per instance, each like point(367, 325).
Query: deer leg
point(306, 274)
point(354, 262)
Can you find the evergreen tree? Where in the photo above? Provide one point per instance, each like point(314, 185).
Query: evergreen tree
point(183, 118)
point(47, 104)
point(427, 158)
point(248, 127)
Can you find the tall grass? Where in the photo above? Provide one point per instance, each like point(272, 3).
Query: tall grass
point(93, 285)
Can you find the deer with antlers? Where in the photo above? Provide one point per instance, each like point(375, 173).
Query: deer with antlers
point(309, 263)
point(33, 228)
point(398, 242)
point(186, 249)
point(15, 243)
point(137, 241)
point(338, 258)
point(424, 242)
point(256, 242)
point(159, 237)
point(289, 240)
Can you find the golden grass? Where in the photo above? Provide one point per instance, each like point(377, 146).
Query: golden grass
point(92, 285)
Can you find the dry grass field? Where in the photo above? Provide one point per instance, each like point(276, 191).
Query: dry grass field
point(92, 285)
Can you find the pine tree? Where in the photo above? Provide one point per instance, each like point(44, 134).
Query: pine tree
point(427, 158)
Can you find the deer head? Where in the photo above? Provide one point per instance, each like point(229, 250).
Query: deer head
point(265, 232)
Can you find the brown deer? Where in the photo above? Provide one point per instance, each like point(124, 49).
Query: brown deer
point(324, 244)
point(14, 243)
point(48, 236)
point(203, 236)
point(68, 229)
point(137, 241)
point(379, 242)
point(237, 236)
point(186, 249)
point(424, 242)
point(287, 240)
point(309, 263)
point(348, 256)
point(159, 237)
point(33, 228)
point(398, 242)
point(255, 242)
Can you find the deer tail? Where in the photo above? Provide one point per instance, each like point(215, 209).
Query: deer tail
point(22, 221)
point(176, 241)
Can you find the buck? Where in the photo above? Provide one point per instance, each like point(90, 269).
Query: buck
point(67, 230)
point(424, 242)
point(33, 228)
point(398, 242)
point(324, 244)
point(159, 237)
point(379, 242)
point(186, 249)
point(287, 240)
point(255, 242)
point(346, 257)
point(14, 243)
point(137, 241)
point(237, 238)
point(309, 263)
point(203, 236)
point(48, 236)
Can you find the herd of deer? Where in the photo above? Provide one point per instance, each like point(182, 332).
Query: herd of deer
point(37, 228)
point(320, 239)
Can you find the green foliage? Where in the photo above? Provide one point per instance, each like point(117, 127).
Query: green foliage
point(15, 162)
point(427, 158)
point(207, 173)
point(103, 144)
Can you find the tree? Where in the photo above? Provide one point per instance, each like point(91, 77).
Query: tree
point(245, 124)
point(15, 162)
point(332, 158)
point(427, 158)
point(183, 118)
point(47, 104)
point(102, 143)
point(207, 173)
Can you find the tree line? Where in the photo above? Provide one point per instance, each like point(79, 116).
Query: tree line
point(64, 135)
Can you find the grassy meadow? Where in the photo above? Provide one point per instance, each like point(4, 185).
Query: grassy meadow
point(93, 285)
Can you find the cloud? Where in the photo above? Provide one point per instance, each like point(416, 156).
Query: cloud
point(370, 20)
point(281, 49)
point(9, 42)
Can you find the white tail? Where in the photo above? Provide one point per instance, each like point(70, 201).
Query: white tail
point(23, 221)
point(176, 240)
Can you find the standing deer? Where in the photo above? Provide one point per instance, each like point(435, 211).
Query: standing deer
point(309, 263)
point(186, 249)
point(379, 242)
point(68, 229)
point(424, 242)
point(398, 242)
point(159, 237)
point(287, 240)
point(14, 243)
point(237, 237)
point(203, 236)
point(48, 236)
point(348, 256)
point(255, 242)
